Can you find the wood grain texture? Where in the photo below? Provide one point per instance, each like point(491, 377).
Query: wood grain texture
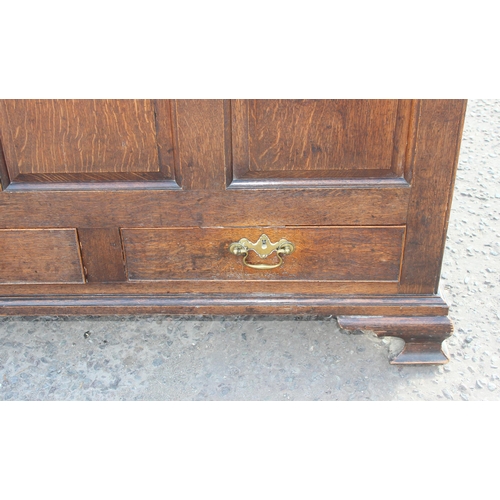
point(183, 286)
point(313, 134)
point(434, 166)
point(200, 128)
point(412, 139)
point(223, 304)
point(354, 254)
point(304, 207)
point(423, 336)
point(401, 135)
point(102, 256)
point(37, 256)
point(164, 111)
point(80, 136)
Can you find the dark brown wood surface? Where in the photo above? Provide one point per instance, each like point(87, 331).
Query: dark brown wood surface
point(86, 140)
point(314, 134)
point(347, 253)
point(102, 254)
point(77, 136)
point(281, 142)
point(157, 208)
point(40, 256)
point(201, 139)
point(189, 287)
point(434, 163)
point(402, 133)
point(233, 303)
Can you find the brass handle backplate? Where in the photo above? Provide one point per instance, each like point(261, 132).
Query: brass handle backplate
point(263, 248)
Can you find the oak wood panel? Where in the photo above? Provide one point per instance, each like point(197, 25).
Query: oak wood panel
point(102, 255)
point(346, 253)
point(412, 139)
point(401, 135)
point(165, 137)
point(78, 135)
point(36, 256)
point(205, 286)
point(305, 207)
point(314, 134)
point(200, 129)
point(226, 304)
point(435, 159)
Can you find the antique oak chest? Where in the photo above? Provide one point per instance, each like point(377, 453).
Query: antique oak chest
point(335, 207)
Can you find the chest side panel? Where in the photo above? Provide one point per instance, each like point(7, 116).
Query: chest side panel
point(434, 163)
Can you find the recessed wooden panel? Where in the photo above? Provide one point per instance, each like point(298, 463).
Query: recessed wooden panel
point(277, 140)
point(75, 140)
point(326, 253)
point(75, 136)
point(39, 256)
point(102, 257)
point(313, 134)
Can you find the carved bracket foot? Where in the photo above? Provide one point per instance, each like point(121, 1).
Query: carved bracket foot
point(423, 335)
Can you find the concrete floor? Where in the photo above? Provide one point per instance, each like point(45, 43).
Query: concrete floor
point(259, 358)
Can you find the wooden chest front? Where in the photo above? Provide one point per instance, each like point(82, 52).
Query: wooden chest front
point(131, 206)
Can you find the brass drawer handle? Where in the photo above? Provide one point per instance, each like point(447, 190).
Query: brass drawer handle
point(263, 248)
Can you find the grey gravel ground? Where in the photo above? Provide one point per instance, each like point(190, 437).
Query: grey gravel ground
point(256, 358)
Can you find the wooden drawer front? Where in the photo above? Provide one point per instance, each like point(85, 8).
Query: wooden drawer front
point(321, 253)
point(40, 256)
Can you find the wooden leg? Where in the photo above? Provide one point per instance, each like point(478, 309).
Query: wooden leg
point(423, 335)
